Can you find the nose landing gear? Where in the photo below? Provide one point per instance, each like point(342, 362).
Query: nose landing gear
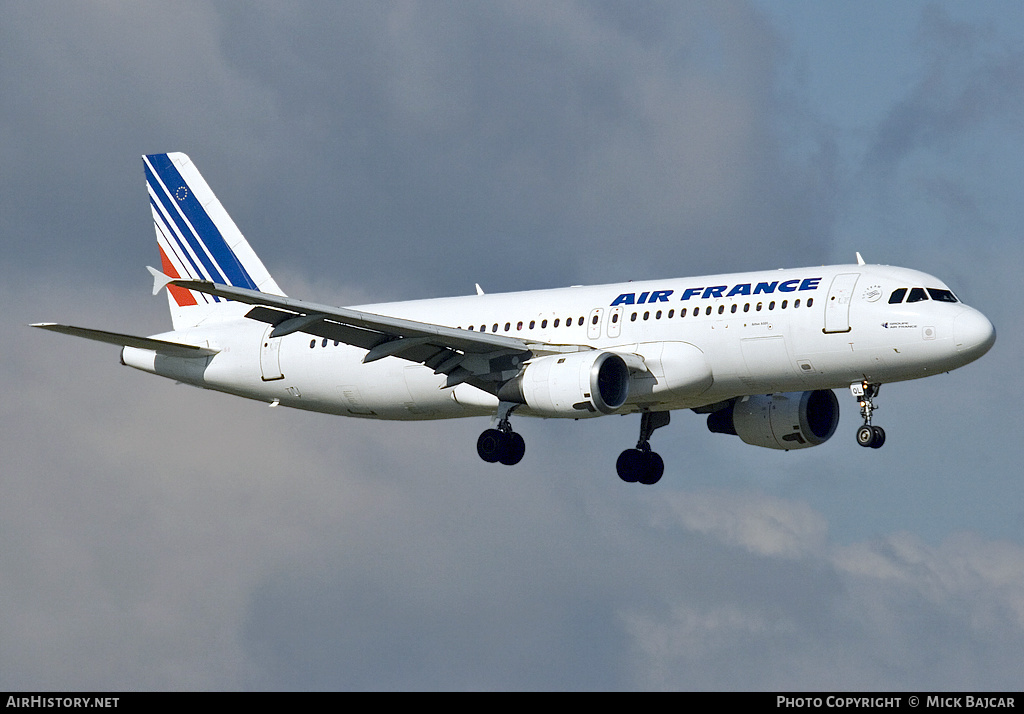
point(867, 435)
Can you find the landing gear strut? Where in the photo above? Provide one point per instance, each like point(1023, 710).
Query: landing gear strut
point(641, 464)
point(868, 435)
point(501, 444)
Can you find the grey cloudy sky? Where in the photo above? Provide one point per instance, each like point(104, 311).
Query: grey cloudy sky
point(156, 536)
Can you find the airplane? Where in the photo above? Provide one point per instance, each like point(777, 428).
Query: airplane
point(759, 353)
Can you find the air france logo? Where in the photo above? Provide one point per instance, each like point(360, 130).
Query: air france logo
point(719, 291)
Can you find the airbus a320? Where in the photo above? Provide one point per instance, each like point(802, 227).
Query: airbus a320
point(758, 353)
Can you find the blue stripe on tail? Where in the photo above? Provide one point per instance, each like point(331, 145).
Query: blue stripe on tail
point(206, 240)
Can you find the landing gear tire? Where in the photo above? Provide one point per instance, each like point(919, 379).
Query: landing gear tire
point(654, 467)
point(490, 445)
point(501, 444)
point(879, 437)
point(873, 436)
point(868, 435)
point(638, 466)
point(865, 435)
point(514, 449)
point(641, 465)
point(629, 465)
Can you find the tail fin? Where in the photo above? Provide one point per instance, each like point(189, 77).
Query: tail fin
point(198, 240)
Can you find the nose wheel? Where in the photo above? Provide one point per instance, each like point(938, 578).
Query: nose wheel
point(868, 435)
point(641, 465)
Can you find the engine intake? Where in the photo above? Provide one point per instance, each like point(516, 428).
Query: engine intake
point(573, 385)
point(793, 420)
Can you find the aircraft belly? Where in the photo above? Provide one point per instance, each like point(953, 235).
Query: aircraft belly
point(676, 371)
point(334, 379)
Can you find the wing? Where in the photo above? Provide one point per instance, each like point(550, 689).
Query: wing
point(481, 359)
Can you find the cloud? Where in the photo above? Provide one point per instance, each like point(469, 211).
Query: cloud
point(409, 143)
point(162, 537)
point(970, 79)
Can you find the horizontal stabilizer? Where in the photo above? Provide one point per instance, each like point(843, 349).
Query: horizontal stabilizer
point(159, 279)
point(172, 349)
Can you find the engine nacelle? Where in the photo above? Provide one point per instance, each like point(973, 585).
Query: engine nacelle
point(794, 420)
point(574, 385)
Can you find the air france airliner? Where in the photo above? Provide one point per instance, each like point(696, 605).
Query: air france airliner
point(757, 353)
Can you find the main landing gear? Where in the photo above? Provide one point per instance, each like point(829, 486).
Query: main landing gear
point(641, 465)
point(868, 435)
point(501, 444)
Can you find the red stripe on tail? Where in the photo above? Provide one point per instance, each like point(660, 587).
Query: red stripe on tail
point(181, 296)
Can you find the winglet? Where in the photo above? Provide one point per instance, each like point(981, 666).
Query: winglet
point(860, 261)
point(479, 290)
point(160, 281)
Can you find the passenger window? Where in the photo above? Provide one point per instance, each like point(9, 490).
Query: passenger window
point(632, 318)
point(917, 295)
point(771, 305)
point(733, 308)
point(708, 310)
point(543, 324)
point(507, 326)
point(721, 309)
point(897, 296)
point(647, 315)
point(580, 321)
point(758, 308)
point(942, 295)
point(324, 344)
point(593, 320)
point(556, 322)
point(615, 319)
point(470, 328)
point(494, 328)
point(810, 301)
point(671, 314)
point(682, 313)
point(312, 344)
point(746, 307)
point(532, 323)
point(784, 303)
point(519, 325)
point(796, 303)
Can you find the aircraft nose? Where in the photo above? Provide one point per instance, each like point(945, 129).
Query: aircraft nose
point(973, 332)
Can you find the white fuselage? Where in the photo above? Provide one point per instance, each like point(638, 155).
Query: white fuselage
point(702, 340)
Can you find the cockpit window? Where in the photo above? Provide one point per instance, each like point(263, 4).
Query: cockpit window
point(897, 296)
point(917, 295)
point(942, 295)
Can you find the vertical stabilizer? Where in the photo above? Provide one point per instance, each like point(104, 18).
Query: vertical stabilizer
point(198, 240)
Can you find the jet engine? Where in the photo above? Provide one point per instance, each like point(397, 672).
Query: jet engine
point(793, 420)
point(574, 385)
